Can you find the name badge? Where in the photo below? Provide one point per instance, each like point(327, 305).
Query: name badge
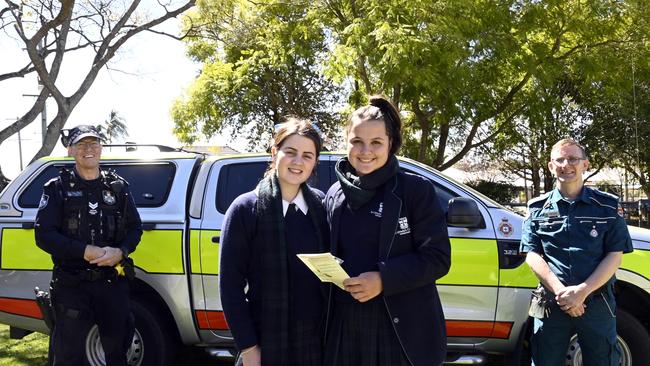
point(553, 214)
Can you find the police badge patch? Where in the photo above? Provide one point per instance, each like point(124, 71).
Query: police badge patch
point(108, 197)
point(44, 200)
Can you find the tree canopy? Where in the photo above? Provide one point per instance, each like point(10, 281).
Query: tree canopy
point(49, 30)
point(261, 63)
point(619, 108)
point(465, 73)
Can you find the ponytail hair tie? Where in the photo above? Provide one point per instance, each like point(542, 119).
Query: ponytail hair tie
point(391, 118)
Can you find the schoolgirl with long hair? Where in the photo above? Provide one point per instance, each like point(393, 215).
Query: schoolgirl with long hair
point(273, 304)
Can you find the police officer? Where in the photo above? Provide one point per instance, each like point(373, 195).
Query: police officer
point(574, 239)
point(88, 222)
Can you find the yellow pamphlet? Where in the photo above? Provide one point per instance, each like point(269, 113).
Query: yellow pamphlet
point(326, 267)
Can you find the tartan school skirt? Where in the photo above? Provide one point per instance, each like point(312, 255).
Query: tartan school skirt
point(361, 334)
point(306, 343)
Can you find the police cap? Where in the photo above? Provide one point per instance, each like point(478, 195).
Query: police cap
point(74, 135)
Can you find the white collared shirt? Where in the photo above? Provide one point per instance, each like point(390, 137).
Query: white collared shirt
point(300, 202)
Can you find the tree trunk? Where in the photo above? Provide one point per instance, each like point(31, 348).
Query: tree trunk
point(535, 179)
point(549, 180)
point(425, 128)
point(442, 145)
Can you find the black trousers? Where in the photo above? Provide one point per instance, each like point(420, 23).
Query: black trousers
point(78, 305)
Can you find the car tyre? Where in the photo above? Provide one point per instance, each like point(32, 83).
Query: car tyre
point(634, 336)
point(159, 346)
point(152, 344)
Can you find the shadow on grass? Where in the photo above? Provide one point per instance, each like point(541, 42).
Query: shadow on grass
point(29, 351)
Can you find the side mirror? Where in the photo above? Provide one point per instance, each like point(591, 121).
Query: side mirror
point(464, 212)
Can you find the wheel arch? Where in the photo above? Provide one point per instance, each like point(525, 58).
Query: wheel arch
point(143, 293)
point(633, 300)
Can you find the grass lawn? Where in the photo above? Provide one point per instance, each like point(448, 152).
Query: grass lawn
point(29, 351)
point(32, 351)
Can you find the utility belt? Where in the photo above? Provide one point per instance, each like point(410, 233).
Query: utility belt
point(542, 298)
point(68, 276)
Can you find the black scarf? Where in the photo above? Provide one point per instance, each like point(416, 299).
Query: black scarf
point(274, 337)
point(360, 190)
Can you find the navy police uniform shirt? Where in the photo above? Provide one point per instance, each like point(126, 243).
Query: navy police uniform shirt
point(574, 236)
point(67, 249)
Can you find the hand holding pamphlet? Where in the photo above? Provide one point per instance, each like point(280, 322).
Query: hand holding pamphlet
point(326, 267)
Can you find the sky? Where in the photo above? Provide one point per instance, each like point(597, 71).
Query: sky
point(147, 74)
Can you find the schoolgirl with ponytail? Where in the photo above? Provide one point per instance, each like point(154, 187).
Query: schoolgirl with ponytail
point(389, 229)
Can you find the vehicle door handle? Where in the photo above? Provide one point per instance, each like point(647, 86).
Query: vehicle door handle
point(148, 226)
point(215, 239)
point(27, 225)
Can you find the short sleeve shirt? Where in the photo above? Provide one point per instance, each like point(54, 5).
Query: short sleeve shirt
point(574, 236)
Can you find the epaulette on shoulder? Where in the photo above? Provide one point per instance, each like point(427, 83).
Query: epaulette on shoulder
point(111, 175)
point(605, 194)
point(51, 181)
point(65, 171)
point(539, 200)
point(605, 199)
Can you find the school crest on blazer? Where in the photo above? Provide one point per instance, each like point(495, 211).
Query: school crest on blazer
point(403, 226)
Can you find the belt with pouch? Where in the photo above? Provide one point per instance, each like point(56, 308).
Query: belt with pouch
point(89, 274)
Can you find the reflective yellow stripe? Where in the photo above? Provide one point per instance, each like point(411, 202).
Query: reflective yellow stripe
point(637, 262)
point(195, 259)
point(160, 251)
point(19, 251)
point(521, 276)
point(473, 262)
point(203, 252)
